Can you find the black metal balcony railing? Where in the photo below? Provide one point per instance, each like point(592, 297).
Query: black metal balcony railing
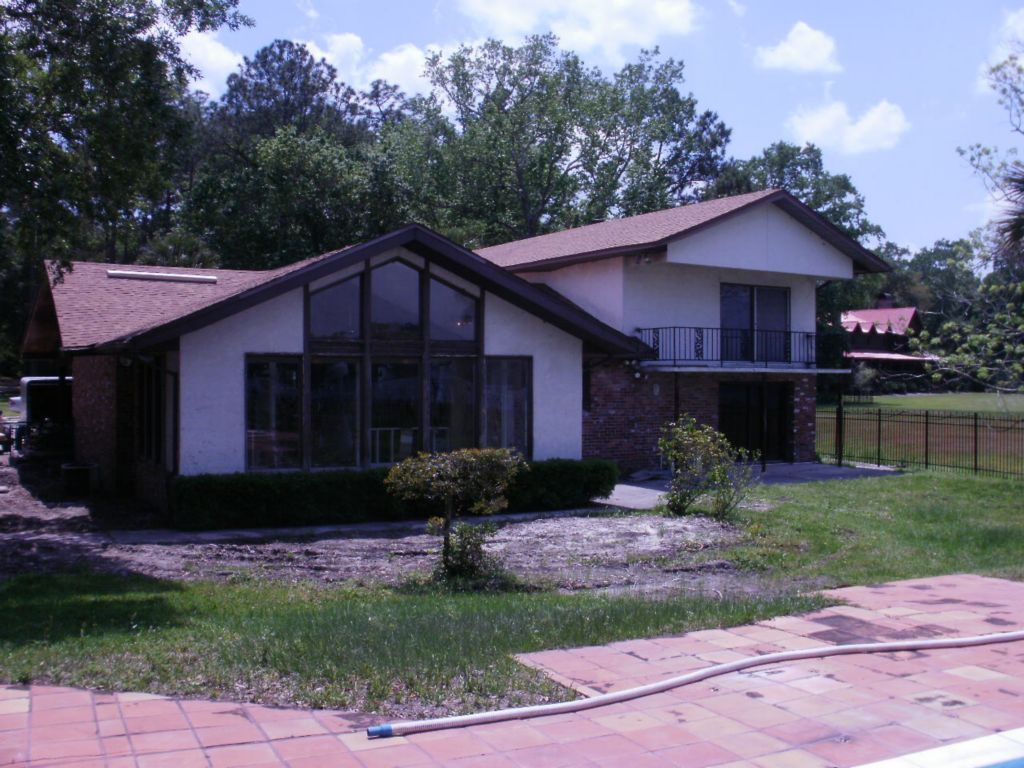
point(724, 347)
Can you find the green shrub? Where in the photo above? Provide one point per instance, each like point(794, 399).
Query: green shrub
point(202, 502)
point(704, 463)
point(264, 499)
point(562, 484)
point(468, 481)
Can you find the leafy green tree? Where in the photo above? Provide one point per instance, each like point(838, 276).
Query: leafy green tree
point(285, 163)
point(282, 85)
point(298, 196)
point(89, 128)
point(984, 345)
point(945, 282)
point(529, 140)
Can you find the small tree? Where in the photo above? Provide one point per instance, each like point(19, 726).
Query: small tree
point(704, 463)
point(469, 481)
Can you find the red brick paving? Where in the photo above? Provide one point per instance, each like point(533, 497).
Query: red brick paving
point(842, 711)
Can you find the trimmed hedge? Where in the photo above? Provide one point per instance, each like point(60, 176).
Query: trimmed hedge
point(562, 484)
point(265, 499)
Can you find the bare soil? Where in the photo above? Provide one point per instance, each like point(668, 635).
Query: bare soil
point(588, 549)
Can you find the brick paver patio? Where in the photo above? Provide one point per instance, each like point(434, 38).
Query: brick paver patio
point(842, 711)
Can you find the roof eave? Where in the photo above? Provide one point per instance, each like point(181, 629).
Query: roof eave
point(494, 278)
point(864, 261)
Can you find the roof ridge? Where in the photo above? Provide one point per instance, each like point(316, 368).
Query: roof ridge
point(690, 207)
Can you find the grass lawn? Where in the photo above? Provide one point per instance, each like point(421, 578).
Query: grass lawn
point(954, 401)
point(400, 654)
point(6, 410)
point(881, 529)
point(408, 654)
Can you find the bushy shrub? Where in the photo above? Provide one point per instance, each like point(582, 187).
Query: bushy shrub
point(467, 481)
point(704, 463)
point(562, 484)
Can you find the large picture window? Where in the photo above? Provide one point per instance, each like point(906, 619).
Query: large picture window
point(395, 411)
point(506, 408)
point(273, 414)
point(452, 404)
point(334, 413)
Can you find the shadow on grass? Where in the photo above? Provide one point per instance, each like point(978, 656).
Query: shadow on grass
point(52, 608)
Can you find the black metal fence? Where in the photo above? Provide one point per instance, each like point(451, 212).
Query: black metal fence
point(982, 443)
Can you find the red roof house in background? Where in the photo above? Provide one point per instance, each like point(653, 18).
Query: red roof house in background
point(881, 338)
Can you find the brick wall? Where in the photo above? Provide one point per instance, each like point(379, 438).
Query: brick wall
point(94, 411)
point(104, 410)
point(626, 414)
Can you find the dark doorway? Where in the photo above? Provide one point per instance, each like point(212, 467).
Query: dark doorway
point(757, 416)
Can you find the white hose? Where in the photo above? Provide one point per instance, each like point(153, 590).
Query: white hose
point(564, 707)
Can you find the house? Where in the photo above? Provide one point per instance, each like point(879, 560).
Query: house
point(575, 344)
point(723, 293)
point(880, 338)
point(359, 357)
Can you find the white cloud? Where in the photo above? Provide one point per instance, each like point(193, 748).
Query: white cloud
point(214, 59)
point(830, 126)
point(358, 66)
point(307, 9)
point(804, 49)
point(1011, 32)
point(988, 209)
point(738, 8)
point(585, 25)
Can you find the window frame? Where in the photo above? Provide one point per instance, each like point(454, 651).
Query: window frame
point(303, 408)
point(482, 406)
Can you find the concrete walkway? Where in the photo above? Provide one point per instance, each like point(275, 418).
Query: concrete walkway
point(647, 493)
point(843, 711)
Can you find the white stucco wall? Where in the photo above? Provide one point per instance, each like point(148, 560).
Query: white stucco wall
point(212, 371)
point(664, 294)
point(763, 239)
point(596, 286)
point(557, 375)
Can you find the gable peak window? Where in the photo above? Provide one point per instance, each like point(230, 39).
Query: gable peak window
point(452, 313)
point(395, 301)
point(334, 312)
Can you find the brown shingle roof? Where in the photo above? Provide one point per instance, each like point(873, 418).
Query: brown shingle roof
point(94, 308)
point(634, 232)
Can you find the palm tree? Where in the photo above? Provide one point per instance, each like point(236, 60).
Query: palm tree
point(1011, 226)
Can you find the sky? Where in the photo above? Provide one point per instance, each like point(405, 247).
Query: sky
point(889, 89)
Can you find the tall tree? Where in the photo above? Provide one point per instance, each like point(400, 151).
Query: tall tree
point(89, 127)
point(284, 161)
point(986, 348)
point(537, 141)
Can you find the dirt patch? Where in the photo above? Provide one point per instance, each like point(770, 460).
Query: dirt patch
point(584, 550)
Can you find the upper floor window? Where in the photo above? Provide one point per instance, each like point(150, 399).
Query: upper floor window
point(395, 301)
point(334, 311)
point(452, 313)
point(754, 322)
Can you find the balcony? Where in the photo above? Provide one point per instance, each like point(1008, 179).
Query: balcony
point(695, 347)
